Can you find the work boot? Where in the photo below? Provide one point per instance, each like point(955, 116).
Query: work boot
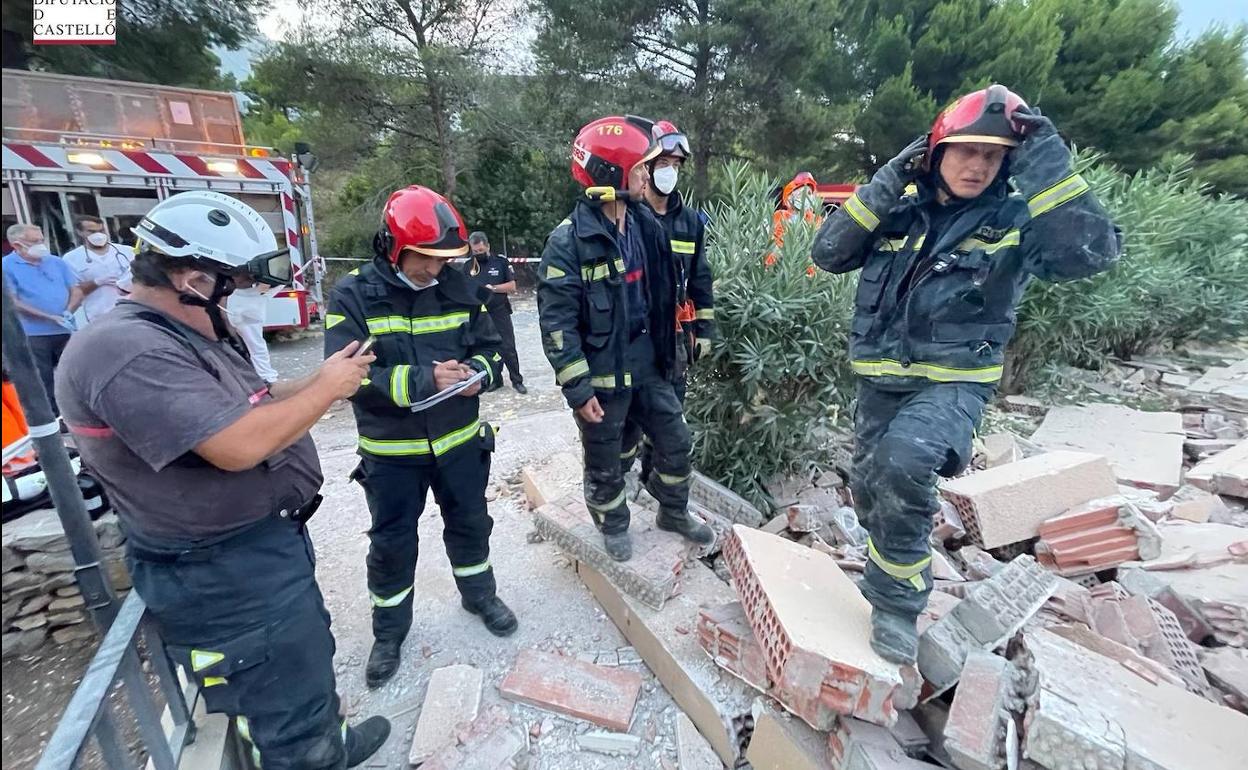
point(687, 527)
point(619, 545)
point(496, 616)
point(366, 738)
point(894, 637)
point(519, 386)
point(383, 661)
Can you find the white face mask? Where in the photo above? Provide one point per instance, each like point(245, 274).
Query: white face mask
point(98, 240)
point(37, 251)
point(665, 179)
point(412, 284)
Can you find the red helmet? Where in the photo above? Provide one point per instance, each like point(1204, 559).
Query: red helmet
point(420, 219)
point(980, 116)
point(670, 139)
point(606, 150)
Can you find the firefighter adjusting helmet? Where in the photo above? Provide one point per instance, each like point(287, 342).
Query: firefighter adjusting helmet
point(980, 116)
point(606, 151)
point(422, 220)
point(219, 232)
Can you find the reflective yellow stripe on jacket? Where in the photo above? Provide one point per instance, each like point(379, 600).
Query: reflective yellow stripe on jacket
point(414, 447)
point(684, 247)
point(601, 272)
point(889, 368)
point(1069, 188)
point(395, 324)
point(864, 216)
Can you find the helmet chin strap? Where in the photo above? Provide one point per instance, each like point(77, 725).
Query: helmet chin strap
point(222, 287)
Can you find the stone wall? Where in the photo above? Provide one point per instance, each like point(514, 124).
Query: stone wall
point(40, 596)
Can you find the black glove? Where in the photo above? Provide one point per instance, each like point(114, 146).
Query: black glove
point(1042, 158)
point(885, 189)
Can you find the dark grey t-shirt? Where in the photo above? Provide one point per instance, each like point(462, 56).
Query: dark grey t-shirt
point(139, 400)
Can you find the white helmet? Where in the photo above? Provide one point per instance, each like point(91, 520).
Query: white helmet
point(208, 226)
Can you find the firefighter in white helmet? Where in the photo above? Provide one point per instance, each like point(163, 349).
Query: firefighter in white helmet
point(214, 474)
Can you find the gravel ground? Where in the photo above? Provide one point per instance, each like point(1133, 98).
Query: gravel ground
point(556, 611)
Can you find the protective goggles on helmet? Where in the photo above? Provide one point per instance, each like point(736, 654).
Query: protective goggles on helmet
point(272, 268)
point(671, 144)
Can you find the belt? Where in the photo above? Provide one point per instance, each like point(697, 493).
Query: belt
point(206, 552)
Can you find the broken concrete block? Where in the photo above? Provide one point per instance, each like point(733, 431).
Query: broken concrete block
point(813, 623)
point(986, 698)
point(993, 611)
point(1087, 712)
point(559, 476)
point(1001, 448)
point(1226, 473)
point(714, 700)
point(1145, 449)
point(870, 757)
point(783, 742)
point(1005, 505)
point(777, 524)
point(490, 742)
point(723, 501)
point(1227, 669)
point(604, 696)
point(1032, 407)
point(725, 634)
point(909, 735)
point(1140, 582)
point(1149, 628)
point(803, 518)
point(1127, 657)
point(653, 573)
point(1218, 594)
point(453, 697)
point(609, 743)
point(849, 735)
point(1095, 536)
point(692, 750)
point(1194, 504)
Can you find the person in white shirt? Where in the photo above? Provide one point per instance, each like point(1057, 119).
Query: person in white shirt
point(245, 308)
point(102, 268)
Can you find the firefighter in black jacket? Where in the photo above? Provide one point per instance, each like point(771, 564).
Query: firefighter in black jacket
point(432, 331)
point(607, 302)
point(695, 298)
point(943, 270)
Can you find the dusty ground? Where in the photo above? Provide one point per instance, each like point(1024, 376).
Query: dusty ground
point(554, 608)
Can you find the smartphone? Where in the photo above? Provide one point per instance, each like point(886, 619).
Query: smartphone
point(366, 347)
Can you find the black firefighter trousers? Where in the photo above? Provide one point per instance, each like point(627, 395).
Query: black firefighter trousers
point(244, 616)
point(396, 499)
point(651, 406)
point(501, 316)
point(905, 438)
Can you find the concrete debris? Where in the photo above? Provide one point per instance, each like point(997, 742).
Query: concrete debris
point(1095, 536)
point(849, 736)
point(1227, 669)
point(560, 476)
point(453, 697)
point(1001, 448)
point(1140, 582)
point(722, 500)
point(652, 575)
point(692, 749)
point(909, 735)
point(1191, 503)
point(1006, 505)
point(725, 634)
point(803, 518)
point(1222, 386)
point(621, 744)
point(976, 733)
point(716, 702)
point(604, 696)
point(946, 524)
point(1032, 407)
point(812, 623)
point(489, 742)
point(1145, 449)
point(1087, 712)
point(1226, 473)
point(1125, 656)
point(1149, 628)
point(844, 526)
point(782, 742)
point(993, 611)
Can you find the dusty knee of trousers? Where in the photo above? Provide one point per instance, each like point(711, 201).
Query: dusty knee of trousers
point(899, 465)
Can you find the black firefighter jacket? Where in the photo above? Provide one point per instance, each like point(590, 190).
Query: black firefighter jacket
point(949, 317)
point(414, 329)
point(686, 232)
point(583, 309)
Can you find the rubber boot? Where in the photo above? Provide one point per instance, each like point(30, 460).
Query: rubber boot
point(383, 661)
point(365, 739)
point(497, 617)
point(894, 637)
point(686, 526)
point(619, 546)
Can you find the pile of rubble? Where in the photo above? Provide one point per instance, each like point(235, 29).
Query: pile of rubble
point(40, 595)
point(1090, 609)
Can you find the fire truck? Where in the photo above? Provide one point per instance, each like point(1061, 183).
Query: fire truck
point(75, 146)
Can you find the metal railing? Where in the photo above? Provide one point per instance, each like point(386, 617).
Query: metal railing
point(90, 710)
point(94, 140)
